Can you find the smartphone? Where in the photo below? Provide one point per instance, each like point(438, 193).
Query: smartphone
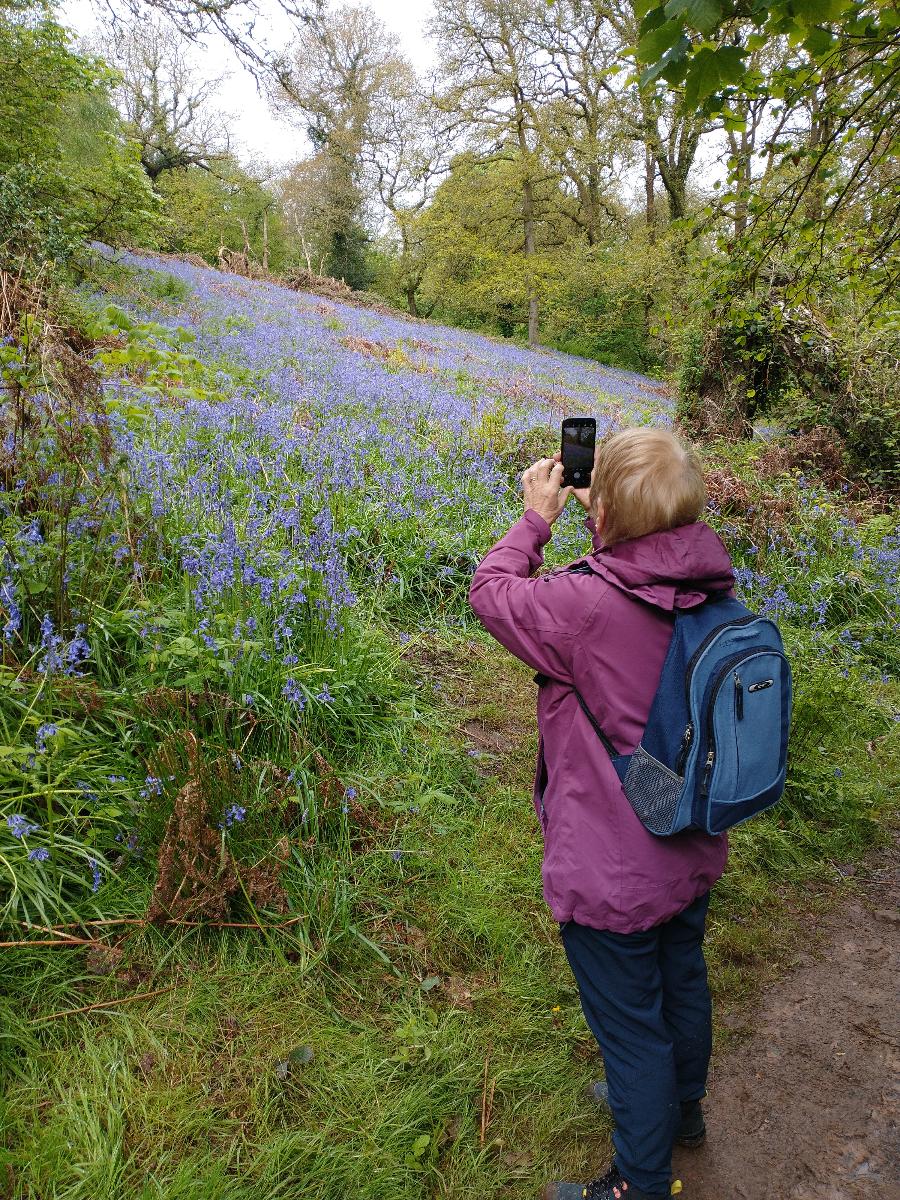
point(579, 436)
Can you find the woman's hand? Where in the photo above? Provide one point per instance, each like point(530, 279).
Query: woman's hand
point(543, 490)
point(582, 495)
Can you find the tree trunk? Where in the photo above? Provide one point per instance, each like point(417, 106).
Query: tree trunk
point(265, 237)
point(649, 192)
point(412, 284)
point(675, 184)
point(740, 153)
point(528, 223)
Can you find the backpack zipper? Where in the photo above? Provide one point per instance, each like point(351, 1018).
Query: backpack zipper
point(738, 697)
point(707, 772)
point(710, 637)
point(686, 739)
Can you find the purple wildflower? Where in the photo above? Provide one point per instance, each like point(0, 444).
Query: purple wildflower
point(20, 827)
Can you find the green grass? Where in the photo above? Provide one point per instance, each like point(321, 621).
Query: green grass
point(204, 1092)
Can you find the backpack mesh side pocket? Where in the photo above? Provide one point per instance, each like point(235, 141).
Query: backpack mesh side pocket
point(653, 791)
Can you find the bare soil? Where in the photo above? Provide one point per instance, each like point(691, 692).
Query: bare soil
point(808, 1107)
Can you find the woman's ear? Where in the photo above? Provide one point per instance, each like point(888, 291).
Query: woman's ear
point(599, 517)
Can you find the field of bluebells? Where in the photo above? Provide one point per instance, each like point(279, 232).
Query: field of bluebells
point(282, 471)
point(245, 560)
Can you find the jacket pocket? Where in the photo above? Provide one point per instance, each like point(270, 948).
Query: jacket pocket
point(540, 785)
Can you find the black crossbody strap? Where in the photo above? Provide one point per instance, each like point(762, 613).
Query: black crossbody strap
point(610, 749)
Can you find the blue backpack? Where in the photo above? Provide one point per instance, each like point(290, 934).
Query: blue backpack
point(714, 751)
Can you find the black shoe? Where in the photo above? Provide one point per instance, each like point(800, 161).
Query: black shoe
point(611, 1187)
point(691, 1128)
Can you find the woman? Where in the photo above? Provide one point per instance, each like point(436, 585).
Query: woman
point(631, 906)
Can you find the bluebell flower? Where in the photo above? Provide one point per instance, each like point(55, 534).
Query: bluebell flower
point(20, 827)
point(40, 738)
point(294, 693)
point(96, 875)
point(234, 814)
point(38, 854)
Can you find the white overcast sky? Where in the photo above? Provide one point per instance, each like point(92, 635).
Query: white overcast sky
point(256, 132)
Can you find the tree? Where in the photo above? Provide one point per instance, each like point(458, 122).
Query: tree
point(580, 122)
point(495, 85)
point(341, 65)
point(238, 21)
point(226, 208)
point(472, 244)
point(302, 195)
point(169, 112)
point(405, 155)
point(67, 168)
point(844, 74)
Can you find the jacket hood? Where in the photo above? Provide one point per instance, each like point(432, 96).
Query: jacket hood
point(675, 568)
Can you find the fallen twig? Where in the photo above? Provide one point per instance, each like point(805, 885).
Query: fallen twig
point(71, 1012)
point(174, 921)
point(485, 1115)
point(64, 941)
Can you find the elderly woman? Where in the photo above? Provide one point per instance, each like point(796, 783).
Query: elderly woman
point(631, 907)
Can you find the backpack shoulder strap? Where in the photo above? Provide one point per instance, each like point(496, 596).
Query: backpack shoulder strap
point(607, 744)
point(610, 749)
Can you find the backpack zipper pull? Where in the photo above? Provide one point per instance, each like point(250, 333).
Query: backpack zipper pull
point(738, 697)
point(686, 739)
point(707, 771)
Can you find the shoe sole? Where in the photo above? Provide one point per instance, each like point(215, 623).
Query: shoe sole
point(693, 1141)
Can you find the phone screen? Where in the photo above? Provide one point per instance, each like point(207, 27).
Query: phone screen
point(579, 436)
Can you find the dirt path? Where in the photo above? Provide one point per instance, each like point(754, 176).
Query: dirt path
point(808, 1108)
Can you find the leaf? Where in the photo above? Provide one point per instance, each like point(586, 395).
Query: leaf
point(710, 69)
point(812, 12)
point(658, 41)
point(654, 18)
point(421, 1144)
point(704, 15)
point(819, 42)
point(643, 7)
point(301, 1055)
point(671, 66)
point(431, 982)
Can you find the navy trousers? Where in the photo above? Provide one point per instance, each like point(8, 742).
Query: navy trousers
point(646, 999)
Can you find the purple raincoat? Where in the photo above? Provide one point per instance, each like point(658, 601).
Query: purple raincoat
point(606, 628)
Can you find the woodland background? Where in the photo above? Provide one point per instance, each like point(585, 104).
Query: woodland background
point(728, 215)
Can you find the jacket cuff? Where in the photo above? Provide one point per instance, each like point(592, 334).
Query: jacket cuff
point(537, 524)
